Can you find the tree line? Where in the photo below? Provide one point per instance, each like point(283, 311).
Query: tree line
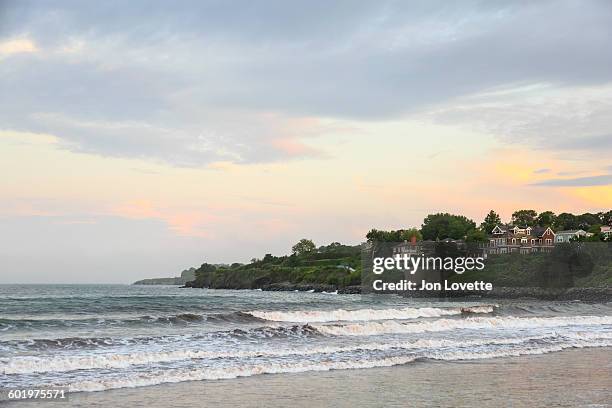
point(444, 225)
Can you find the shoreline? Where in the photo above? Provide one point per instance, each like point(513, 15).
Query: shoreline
point(566, 294)
point(569, 378)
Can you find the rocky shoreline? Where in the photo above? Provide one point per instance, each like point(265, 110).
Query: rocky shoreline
point(568, 294)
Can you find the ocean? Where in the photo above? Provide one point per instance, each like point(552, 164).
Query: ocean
point(102, 337)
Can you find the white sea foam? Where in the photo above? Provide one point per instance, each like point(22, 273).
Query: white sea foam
point(307, 316)
point(26, 365)
point(391, 327)
point(479, 309)
point(174, 376)
point(178, 375)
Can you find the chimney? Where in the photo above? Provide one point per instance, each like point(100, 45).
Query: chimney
point(413, 240)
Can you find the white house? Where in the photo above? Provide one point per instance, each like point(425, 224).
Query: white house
point(606, 231)
point(567, 236)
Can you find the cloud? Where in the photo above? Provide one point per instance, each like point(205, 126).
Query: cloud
point(542, 171)
point(594, 142)
point(196, 82)
point(188, 223)
point(294, 148)
point(602, 180)
point(16, 46)
point(573, 121)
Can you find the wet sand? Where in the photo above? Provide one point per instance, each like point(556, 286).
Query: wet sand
point(571, 378)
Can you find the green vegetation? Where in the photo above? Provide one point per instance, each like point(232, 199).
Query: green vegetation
point(524, 218)
point(375, 235)
point(569, 265)
point(476, 236)
point(335, 265)
point(304, 247)
point(339, 266)
point(491, 221)
point(561, 222)
point(444, 225)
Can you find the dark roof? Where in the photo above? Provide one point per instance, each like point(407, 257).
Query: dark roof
point(538, 231)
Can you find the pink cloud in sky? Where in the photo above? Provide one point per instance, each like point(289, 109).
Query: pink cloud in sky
point(293, 147)
point(185, 223)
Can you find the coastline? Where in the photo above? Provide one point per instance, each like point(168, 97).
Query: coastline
point(569, 378)
point(565, 294)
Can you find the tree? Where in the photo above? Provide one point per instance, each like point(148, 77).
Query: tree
point(204, 275)
point(375, 235)
point(476, 235)
point(407, 235)
point(594, 229)
point(566, 221)
point(524, 218)
point(606, 218)
point(586, 220)
point(304, 246)
point(491, 221)
point(268, 258)
point(546, 219)
point(444, 225)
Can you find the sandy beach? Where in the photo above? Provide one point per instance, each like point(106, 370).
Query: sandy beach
point(571, 378)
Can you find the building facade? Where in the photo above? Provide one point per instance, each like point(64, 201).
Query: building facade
point(511, 238)
point(569, 235)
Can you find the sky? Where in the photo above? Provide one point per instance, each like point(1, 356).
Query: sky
point(140, 138)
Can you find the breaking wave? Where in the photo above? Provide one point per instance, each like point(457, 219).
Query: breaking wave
point(393, 327)
point(178, 375)
point(21, 365)
point(49, 322)
point(307, 316)
point(26, 365)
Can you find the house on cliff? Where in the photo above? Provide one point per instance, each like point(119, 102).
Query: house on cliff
point(506, 239)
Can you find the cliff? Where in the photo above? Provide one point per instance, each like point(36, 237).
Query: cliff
point(186, 276)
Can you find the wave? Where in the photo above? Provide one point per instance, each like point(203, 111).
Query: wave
point(267, 332)
point(233, 317)
point(77, 343)
point(307, 316)
point(128, 321)
point(478, 309)
point(370, 328)
point(27, 365)
point(174, 376)
point(393, 327)
point(178, 375)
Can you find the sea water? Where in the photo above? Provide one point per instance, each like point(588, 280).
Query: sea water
point(100, 337)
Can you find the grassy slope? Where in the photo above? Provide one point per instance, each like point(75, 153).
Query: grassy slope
point(514, 270)
point(329, 267)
